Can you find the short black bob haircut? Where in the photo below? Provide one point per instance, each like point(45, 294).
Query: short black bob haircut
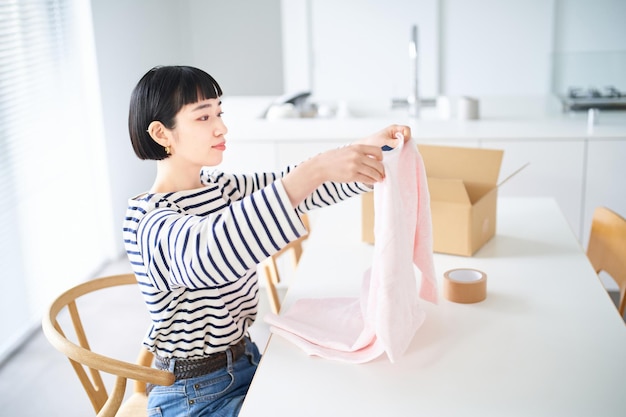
point(159, 95)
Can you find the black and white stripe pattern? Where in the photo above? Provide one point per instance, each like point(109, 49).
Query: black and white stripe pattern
point(195, 254)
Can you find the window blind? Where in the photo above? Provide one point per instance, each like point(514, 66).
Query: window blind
point(53, 198)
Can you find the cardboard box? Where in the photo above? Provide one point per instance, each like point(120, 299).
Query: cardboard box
point(463, 185)
point(367, 217)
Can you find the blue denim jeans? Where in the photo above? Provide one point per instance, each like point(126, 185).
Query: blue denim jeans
point(218, 394)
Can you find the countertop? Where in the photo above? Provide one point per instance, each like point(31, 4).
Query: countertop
point(501, 118)
point(547, 341)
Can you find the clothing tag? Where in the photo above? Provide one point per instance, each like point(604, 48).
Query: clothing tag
point(400, 137)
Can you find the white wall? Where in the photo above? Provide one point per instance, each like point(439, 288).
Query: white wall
point(495, 47)
point(361, 49)
point(472, 47)
point(585, 25)
point(131, 37)
point(590, 44)
point(236, 41)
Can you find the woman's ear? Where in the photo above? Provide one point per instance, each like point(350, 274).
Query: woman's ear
point(158, 133)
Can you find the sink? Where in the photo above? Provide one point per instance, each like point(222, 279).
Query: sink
point(396, 109)
point(354, 109)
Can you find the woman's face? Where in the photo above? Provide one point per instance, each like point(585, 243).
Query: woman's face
point(199, 133)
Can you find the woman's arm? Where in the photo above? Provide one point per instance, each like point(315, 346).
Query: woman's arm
point(359, 162)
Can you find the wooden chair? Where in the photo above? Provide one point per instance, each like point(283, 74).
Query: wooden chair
point(607, 249)
point(88, 364)
point(271, 270)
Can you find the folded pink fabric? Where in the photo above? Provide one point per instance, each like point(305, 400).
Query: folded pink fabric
point(386, 316)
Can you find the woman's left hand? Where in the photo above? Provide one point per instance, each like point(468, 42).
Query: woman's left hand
point(387, 136)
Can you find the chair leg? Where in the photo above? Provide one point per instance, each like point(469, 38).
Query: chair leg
point(272, 293)
point(296, 254)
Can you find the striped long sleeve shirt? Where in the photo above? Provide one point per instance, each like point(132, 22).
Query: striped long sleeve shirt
point(195, 255)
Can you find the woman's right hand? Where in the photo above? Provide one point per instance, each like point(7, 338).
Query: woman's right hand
point(359, 162)
point(353, 163)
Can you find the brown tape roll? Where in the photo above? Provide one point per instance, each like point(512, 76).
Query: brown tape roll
point(465, 285)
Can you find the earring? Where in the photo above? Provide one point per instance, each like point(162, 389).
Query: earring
point(167, 150)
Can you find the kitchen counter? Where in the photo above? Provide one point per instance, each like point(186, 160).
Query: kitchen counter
point(501, 118)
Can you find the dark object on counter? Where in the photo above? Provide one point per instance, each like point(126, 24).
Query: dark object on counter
point(578, 99)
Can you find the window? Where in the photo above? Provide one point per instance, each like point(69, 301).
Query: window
point(55, 221)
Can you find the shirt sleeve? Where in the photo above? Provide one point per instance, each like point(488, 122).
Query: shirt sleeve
point(182, 250)
point(327, 194)
point(330, 193)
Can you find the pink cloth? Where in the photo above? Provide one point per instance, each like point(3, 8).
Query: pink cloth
point(387, 314)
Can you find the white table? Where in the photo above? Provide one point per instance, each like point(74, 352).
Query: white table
point(546, 342)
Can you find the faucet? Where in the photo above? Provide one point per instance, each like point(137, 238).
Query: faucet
point(413, 99)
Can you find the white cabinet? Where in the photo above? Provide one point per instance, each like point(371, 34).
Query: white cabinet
point(246, 156)
point(294, 153)
point(606, 173)
point(556, 170)
point(463, 143)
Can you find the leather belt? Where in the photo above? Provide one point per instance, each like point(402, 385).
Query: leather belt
point(192, 368)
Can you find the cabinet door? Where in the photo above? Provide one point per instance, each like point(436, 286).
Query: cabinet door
point(249, 156)
point(606, 171)
point(461, 143)
point(556, 170)
point(293, 153)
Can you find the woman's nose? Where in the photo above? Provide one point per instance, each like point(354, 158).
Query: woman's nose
point(221, 128)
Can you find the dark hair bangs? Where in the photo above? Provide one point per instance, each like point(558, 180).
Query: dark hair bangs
point(196, 85)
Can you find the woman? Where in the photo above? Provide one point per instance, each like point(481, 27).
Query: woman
point(195, 238)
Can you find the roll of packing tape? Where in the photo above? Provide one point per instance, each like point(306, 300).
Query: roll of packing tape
point(465, 285)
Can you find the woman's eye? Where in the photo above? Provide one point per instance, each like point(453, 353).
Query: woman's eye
point(204, 118)
point(220, 114)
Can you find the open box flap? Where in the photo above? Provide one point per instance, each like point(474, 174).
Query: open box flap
point(447, 190)
point(517, 171)
point(473, 165)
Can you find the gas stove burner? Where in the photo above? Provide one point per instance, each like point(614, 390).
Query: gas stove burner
point(592, 92)
point(609, 98)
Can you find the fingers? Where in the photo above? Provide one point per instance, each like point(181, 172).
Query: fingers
point(369, 150)
point(391, 134)
point(361, 163)
point(387, 136)
point(405, 131)
point(369, 168)
point(372, 171)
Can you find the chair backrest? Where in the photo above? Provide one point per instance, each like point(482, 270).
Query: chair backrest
point(88, 364)
point(607, 248)
point(271, 270)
